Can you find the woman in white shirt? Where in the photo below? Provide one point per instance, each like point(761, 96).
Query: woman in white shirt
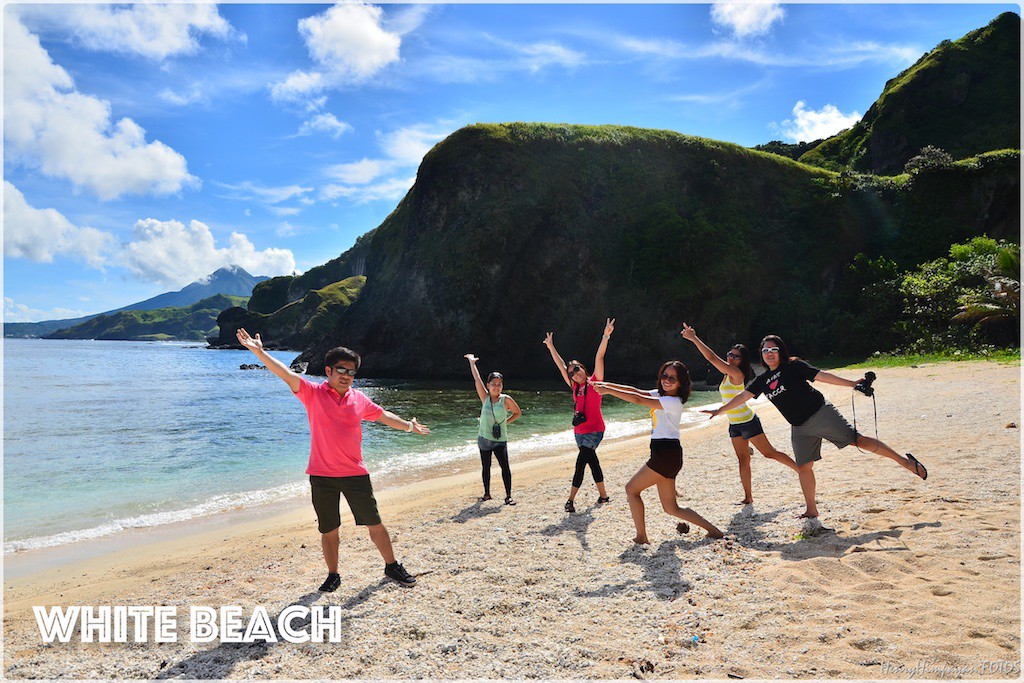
point(666, 404)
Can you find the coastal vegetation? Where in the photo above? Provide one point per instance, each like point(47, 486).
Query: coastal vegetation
point(195, 322)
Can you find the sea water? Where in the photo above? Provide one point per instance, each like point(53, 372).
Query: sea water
point(103, 436)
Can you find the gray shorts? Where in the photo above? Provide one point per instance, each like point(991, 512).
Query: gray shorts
point(589, 440)
point(827, 423)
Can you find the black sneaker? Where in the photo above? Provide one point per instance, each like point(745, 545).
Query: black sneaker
point(570, 506)
point(330, 584)
point(396, 572)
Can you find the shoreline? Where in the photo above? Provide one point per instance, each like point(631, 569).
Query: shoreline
point(910, 571)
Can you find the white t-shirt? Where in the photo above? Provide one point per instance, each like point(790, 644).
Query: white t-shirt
point(665, 421)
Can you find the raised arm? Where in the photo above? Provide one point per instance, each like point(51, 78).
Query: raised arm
point(735, 374)
point(395, 422)
point(609, 327)
point(627, 393)
point(737, 400)
point(549, 341)
point(255, 344)
point(481, 390)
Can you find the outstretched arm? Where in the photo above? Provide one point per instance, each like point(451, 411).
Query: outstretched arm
point(627, 394)
point(481, 390)
point(395, 422)
point(735, 374)
point(829, 378)
point(737, 400)
point(609, 327)
point(549, 341)
point(255, 344)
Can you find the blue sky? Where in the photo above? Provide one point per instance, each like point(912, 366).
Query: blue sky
point(145, 146)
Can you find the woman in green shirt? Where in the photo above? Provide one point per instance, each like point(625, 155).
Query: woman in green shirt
point(497, 411)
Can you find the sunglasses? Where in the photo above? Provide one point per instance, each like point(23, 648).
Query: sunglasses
point(770, 349)
point(574, 369)
point(733, 355)
point(669, 378)
point(344, 371)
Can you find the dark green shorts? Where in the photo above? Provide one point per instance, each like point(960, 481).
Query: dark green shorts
point(358, 492)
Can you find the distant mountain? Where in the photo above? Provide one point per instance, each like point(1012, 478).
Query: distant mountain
point(195, 322)
point(231, 281)
point(963, 97)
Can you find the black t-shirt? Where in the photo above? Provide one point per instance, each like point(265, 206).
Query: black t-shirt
point(788, 389)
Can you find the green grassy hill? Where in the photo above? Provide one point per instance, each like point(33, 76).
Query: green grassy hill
point(195, 322)
point(963, 97)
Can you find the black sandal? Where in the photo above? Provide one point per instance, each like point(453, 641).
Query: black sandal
point(918, 467)
point(484, 497)
point(509, 501)
point(570, 506)
point(602, 501)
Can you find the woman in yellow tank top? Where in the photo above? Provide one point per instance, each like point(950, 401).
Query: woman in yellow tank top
point(744, 425)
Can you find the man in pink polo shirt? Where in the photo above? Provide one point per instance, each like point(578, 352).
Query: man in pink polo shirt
point(336, 412)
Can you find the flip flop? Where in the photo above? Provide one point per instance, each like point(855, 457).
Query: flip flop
point(918, 467)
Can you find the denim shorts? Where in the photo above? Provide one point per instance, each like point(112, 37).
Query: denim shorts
point(827, 423)
point(589, 440)
point(746, 430)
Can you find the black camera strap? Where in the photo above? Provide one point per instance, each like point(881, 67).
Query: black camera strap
point(494, 415)
point(853, 405)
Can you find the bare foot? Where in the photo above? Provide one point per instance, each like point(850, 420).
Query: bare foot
point(745, 501)
point(808, 515)
point(641, 540)
point(714, 532)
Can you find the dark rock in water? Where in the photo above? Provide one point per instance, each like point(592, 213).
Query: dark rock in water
point(252, 366)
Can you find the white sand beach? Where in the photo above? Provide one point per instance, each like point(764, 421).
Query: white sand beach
point(911, 578)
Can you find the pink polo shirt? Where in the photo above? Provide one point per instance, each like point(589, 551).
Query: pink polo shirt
point(336, 429)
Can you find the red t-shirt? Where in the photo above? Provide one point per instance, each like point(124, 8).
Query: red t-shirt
point(588, 402)
point(336, 429)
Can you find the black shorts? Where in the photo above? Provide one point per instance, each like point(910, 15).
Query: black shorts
point(666, 457)
point(747, 430)
point(358, 492)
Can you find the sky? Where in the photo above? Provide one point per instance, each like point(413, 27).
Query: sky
point(146, 146)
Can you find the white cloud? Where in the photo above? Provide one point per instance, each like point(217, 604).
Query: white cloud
point(349, 44)
point(393, 188)
point(172, 254)
point(151, 30)
point(324, 123)
point(360, 172)
point(285, 210)
point(808, 125)
point(265, 194)
point(408, 145)
point(40, 234)
point(836, 54)
point(65, 134)
point(403, 148)
point(192, 97)
point(747, 19)
point(536, 56)
point(20, 313)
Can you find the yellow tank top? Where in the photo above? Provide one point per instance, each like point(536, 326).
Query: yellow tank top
point(728, 390)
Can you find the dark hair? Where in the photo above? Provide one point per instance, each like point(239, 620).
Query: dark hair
point(684, 378)
point(748, 372)
point(493, 375)
point(342, 353)
point(576, 362)
point(784, 355)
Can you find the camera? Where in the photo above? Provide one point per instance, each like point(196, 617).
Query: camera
point(496, 431)
point(578, 418)
point(864, 386)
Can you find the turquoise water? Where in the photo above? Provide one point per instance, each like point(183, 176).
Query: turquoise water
point(102, 436)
